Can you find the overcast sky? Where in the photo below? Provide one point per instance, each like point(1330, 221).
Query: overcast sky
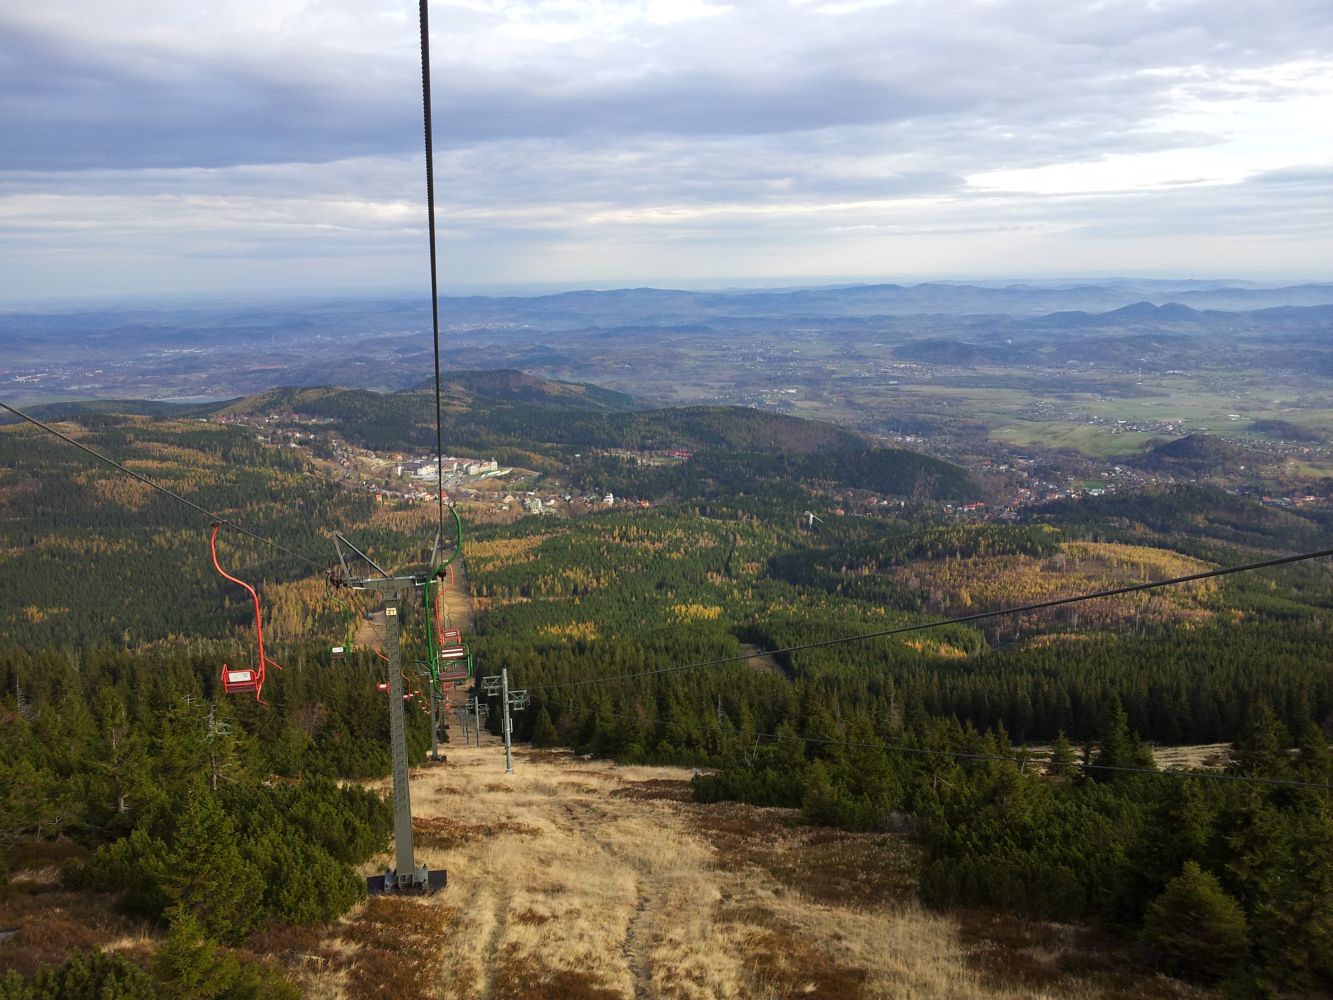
point(154, 146)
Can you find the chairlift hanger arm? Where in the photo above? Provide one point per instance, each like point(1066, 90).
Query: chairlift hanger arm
point(437, 567)
point(342, 560)
point(376, 566)
point(256, 681)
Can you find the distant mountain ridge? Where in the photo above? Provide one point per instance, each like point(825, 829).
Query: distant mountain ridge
point(656, 306)
point(640, 339)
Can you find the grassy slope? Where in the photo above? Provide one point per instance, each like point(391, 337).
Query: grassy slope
point(584, 880)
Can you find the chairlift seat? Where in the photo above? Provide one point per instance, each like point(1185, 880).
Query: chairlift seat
point(239, 681)
point(338, 652)
point(458, 652)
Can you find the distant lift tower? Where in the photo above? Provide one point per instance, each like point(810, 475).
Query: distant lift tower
point(406, 876)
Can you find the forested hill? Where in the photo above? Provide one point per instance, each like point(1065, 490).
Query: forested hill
point(594, 436)
point(461, 391)
point(1202, 454)
point(597, 438)
point(1201, 520)
point(510, 385)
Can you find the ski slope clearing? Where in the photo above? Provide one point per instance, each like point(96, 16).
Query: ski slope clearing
point(576, 878)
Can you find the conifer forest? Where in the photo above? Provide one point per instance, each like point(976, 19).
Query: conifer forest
point(1016, 752)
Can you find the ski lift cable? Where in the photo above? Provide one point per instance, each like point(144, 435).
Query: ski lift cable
point(965, 755)
point(960, 620)
point(434, 277)
point(213, 517)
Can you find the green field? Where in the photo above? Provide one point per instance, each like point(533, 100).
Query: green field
point(1095, 441)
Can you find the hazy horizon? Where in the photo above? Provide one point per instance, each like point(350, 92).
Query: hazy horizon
point(311, 296)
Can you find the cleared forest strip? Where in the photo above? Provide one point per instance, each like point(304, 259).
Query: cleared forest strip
point(458, 597)
point(586, 880)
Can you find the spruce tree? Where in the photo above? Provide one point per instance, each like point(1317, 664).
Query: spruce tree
point(543, 730)
point(1316, 761)
point(189, 965)
point(1063, 756)
point(1261, 748)
point(207, 875)
point(1196, 930)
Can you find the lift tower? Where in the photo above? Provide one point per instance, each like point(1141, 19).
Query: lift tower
point(406, 876)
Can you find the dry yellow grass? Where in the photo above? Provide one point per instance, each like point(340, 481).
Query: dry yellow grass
point(584, 880)
point(1211, 755)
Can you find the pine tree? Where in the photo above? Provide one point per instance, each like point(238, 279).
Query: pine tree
point(543, 730)
point(95, 975)
point(1261, 748)
point(1063, 756)
point(189, 965)
point(1316, 761)
point(1195, 929)
point(207, 876)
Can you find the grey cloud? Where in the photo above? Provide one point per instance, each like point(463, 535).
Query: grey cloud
point(746, 130)
point(69, 106)
point(1037, 66)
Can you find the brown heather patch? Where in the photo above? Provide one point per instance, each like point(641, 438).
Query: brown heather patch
point(388, 947)
point(50, 924)
point(531, 917)
point(1014, 952)
point(656, 789)
point(45, 853)
point(287, 940)
point(397, 943)
point(580, 788)
point(588, 772)
point(522, 977)
point(445, 833)
point(826, 865)
point(781, 963)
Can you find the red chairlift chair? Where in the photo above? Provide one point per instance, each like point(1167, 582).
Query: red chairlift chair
point(243, 680)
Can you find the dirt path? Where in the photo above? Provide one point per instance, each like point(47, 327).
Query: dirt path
point(370, 632)
point(458, 597)
point(583, 880)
